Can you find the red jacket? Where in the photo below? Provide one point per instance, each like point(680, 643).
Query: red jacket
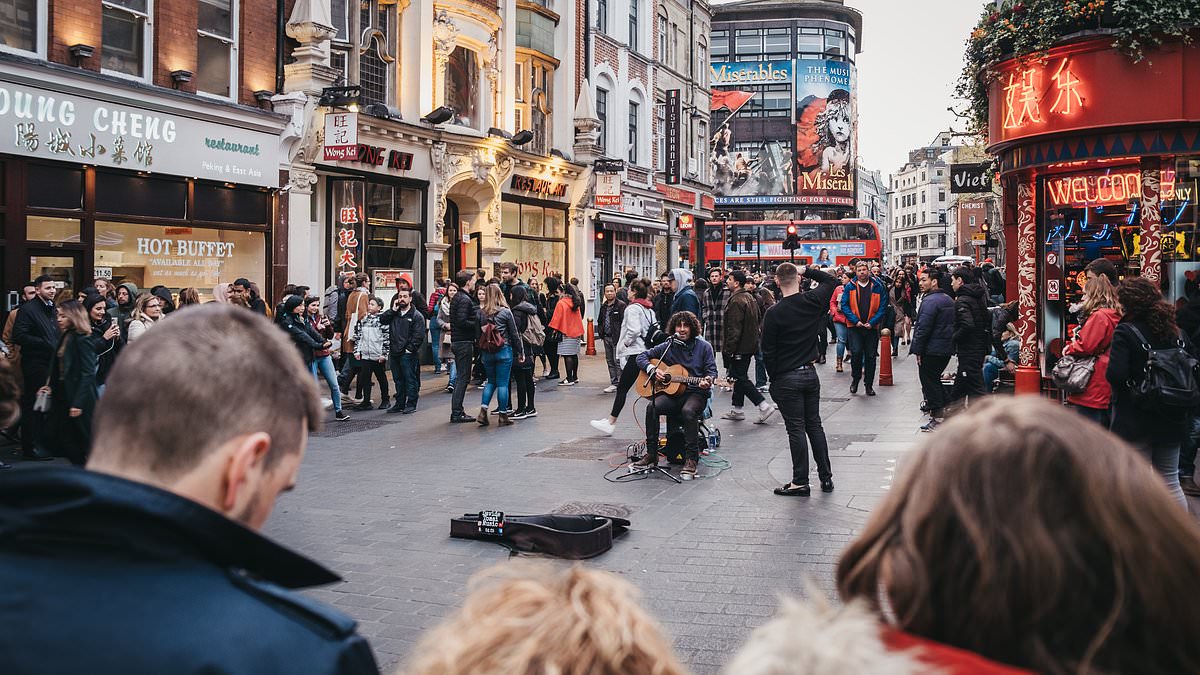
point(1094, 339)
point(944, 659)
point(835, 305)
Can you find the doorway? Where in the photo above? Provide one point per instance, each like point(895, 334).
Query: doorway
point(455, 256)
point(64, 267)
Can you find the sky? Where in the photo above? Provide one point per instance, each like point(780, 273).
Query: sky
point(911, 58)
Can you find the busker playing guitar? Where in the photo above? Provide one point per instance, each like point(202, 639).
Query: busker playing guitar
point(687, 349)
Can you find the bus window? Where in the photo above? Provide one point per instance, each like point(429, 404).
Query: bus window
point(775, 233)
point(714, 233)
point(865, 231)
point(808, 232)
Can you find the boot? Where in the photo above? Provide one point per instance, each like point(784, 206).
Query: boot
point(383, 403)
point(482, 419)
point(839, 364)
point(1189, 486)
point(366, 399)
point(504, 420)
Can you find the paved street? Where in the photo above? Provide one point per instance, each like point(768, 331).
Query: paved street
point(711, 557)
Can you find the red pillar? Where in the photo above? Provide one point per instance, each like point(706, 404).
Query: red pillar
point(1151, 220)
point(1029, 375)
point(591, 337)
point(885, 358)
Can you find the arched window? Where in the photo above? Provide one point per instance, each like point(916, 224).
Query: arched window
point(462, 88)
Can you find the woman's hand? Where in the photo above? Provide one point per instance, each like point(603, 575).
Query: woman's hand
point(112, 332)
point(75, 412)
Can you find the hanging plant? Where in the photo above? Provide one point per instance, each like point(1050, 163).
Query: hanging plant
point(1027, 28)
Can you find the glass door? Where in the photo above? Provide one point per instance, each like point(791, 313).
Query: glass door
point(64, 267)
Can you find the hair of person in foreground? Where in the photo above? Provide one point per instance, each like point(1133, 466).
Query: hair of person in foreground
point(539, 618)
point(1033, 537)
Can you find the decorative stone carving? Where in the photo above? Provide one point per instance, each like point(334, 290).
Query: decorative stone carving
point(445, 39)
point(493, 65)
point(301, 179)
point(482, 163)
point(444, 166)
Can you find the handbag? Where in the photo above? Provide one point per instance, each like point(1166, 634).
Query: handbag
point(1072, 373)
point(490, 340)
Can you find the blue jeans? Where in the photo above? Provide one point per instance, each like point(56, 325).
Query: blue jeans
point(323, 368)
point(405, 373)
point(499, 371)
point(1164, 455)
point(840, 329)
point(760, 370)
point(990, 373)
point(435, 345)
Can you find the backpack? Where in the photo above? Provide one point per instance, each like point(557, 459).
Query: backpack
point(535, 333)
point(490, 339)
point(330, 310)
point(1170, 376)
point(654, 335)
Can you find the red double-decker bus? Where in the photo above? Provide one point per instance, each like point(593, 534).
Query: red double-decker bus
point(758, 244)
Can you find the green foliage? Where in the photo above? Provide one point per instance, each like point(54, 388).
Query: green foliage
point(1027, 28)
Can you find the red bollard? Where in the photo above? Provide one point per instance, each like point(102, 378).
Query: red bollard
point(1028, 380)
point(591, 338)
point(885, 358)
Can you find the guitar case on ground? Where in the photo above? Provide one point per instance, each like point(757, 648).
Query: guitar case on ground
point(574, 537)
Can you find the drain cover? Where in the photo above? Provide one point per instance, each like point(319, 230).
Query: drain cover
point(350, 426)
point(591, 449)
point(581, 508)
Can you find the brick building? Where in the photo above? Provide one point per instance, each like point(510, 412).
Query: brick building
point(145, 148)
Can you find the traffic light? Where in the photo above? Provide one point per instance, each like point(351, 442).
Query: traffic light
point(985, 227)
point(599, 232)
point(731, 237)
point(792, 242)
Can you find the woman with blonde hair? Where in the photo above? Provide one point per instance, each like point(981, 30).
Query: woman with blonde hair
point(532, 618)
point(221, 293)
point(1092, 338)
point(188, 297)
point(496, 317)
point(72, 384)
point(1021, 536)
point(147, 311)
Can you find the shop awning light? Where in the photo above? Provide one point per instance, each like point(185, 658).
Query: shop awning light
point(180, 77)
point(521, 137)
point(440, 115)
point(340, 97)
point(499, 133)
point(383, 112)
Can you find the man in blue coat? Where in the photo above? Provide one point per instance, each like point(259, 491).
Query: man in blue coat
point(150, 561)
point(933, 342)
point(685, 299)
point(865, 303)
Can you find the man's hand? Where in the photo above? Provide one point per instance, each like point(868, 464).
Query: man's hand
point(1010, 367)
point(382, 359)
point(918, 359)
point(75, 412)
point(661, 376)
point(706, 383)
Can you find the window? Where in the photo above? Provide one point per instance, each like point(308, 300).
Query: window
point(777, 42)
point(662, 39)
point(922, 197)
point(660, 112)
point(534, 99)
point(971, 220)
point(23, 26)
point(462, 88)
point(633, 25)
point(701, 73)
point(835, 42)
point(941, 195)
point(535, 31)
point(698, 155)
point(374, 57)
point(674, 52)
point(125, 32)
point(634, 111)
point(749, 41)
point(810, 41)
point(216, 48)
point(602, 16)
point(720, 43)
point(602, 115)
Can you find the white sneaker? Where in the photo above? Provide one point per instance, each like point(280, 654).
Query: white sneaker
point(764, 412)
point(604, 426)
point(610, 389)
point(734, 415)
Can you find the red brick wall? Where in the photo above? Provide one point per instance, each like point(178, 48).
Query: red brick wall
point(174, 41)
point(257, 48)
point(75, 22)
point(605, 51)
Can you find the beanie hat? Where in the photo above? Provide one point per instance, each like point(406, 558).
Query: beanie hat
point(92, 300)
point(291, 303)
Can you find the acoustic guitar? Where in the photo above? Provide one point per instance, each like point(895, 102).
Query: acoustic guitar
point(677, 381)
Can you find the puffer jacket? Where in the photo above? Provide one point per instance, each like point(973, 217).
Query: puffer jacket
point(972, 322)
point(632, 340)
point(741, 324)
point(835, 306)
point(933, 334)
point(372, 338)
point(1094, 338)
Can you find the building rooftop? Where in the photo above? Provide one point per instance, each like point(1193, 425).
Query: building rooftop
point(766, 10)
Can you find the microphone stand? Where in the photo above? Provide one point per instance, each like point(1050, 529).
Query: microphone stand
point(654, 390)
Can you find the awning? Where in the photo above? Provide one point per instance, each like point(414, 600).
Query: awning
point(623, 223)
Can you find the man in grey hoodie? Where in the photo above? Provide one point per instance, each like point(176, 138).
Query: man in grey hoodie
point(685, 298)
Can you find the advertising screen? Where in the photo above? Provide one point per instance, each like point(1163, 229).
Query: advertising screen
point(826, 122)
point(751, 150)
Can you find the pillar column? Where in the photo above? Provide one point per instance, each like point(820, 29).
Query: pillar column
point(1029, 376)
point(1151, 219)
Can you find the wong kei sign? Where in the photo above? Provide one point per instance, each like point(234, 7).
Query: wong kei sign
point(36, 122)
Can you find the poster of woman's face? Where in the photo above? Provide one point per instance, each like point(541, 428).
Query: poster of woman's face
point(825, 132)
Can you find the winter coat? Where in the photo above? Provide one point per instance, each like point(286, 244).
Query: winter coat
point(326, 334)
point(662, 306)
point(139, 326)
point(741, 324)
point(713, 304)
point(835, 306)
point(685, 299)
point(435, 301)
point(123, 313)
point(356, 309)
point(933, 334)
point(637, 320)
point(566, 320)
point(695, 355)
point(36, 331)
point(521, 312)
point(464, 318)
point(406, 330)
point(972, 322)
point(106, 350)
point(1131, 420)
point(85, 534)
point(306, 339)
point(72, 385)
point(372, 338)
point(878, 302)
point(1094, 338)
point(611, 315)
point(443, 322)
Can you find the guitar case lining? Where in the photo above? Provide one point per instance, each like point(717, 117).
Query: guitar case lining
point(573, 537)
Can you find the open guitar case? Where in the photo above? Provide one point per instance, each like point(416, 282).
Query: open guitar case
point(574, 537)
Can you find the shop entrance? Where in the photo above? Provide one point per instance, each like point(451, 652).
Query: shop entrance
point(64, 267)
point(455, 256)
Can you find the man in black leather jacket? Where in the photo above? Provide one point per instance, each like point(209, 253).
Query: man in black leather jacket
point(464, 330)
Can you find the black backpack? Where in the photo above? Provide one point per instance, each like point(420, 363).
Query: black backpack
point(1170, 376)
point(655, 335)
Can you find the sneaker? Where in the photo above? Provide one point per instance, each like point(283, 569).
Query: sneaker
point(603, 426)
point(765, 414)
point(688, 471)
point(1188, 483)
point(409, 410)
point(734, 415)
point(383, 405)
point(518, 415)
point(461, 419)
point(365, 405)
point(552, 376)
point(449, 389)
point(532, 412)
point(341, 416)
point(610, 389)
point(566, 383)
point(932, 424)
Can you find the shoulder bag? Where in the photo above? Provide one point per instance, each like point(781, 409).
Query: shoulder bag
point(1073, 372)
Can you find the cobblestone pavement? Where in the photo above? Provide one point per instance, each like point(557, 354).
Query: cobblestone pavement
point(711, 557)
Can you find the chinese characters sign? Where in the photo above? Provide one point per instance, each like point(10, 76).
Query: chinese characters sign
point(341, 136)
point(1025, 94)
point(348, 217)
point(46, 124)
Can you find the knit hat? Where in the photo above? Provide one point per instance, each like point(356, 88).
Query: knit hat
point(291, 303)
point(92, 300)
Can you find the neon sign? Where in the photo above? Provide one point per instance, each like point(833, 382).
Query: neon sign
point(1023, 99)
point(1101, 189)
point(348, 238)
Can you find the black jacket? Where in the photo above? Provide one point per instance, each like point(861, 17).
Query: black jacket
point(611, 316)
point(306, 339)
point(407, 329)
point(1131, 420)
point(464, 318)
point(521, 312)
point(789, 332)
point(36, 330)
point(972, 321)
point(103, 575)
point(106, 350)
point(933, 333)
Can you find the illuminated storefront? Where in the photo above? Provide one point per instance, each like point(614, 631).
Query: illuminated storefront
point(533, 223)
point(1099, 158)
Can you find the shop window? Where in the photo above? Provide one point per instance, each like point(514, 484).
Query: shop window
point(555, 223)
point(59, 230)
point(216, 48)
point(126, 36)
point(178, 257)
point(462, 87)
point(393, 248)
point(510, 218)
point(220, 204)
point(56, 187)
point(136, 195)
point(531, 222)
point(23, 26)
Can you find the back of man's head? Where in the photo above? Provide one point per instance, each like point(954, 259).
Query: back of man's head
point(787, 274)
point(207, 376)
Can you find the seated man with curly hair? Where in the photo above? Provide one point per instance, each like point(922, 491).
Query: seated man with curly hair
point(685, 348)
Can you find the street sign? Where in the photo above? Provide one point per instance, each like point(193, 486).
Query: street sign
point(341, 136)
point(969, 178)
point(1052, 289)
point(609, 165)
point(978, 240)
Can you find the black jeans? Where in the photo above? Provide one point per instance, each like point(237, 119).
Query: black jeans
point(551, 349)
point(610, 358)
point(33, 424)
point(968, 381)
point(863, 343)
point(523, 375)
point(798, 394)
point(350, 368)
point(930, 374)
point(406, 372)
point(367, 368)
point(629, 375)
point(690, 407)
point(743, 388)
point(463, 352)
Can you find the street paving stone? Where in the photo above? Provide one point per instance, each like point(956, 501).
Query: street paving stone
point(711, 557)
